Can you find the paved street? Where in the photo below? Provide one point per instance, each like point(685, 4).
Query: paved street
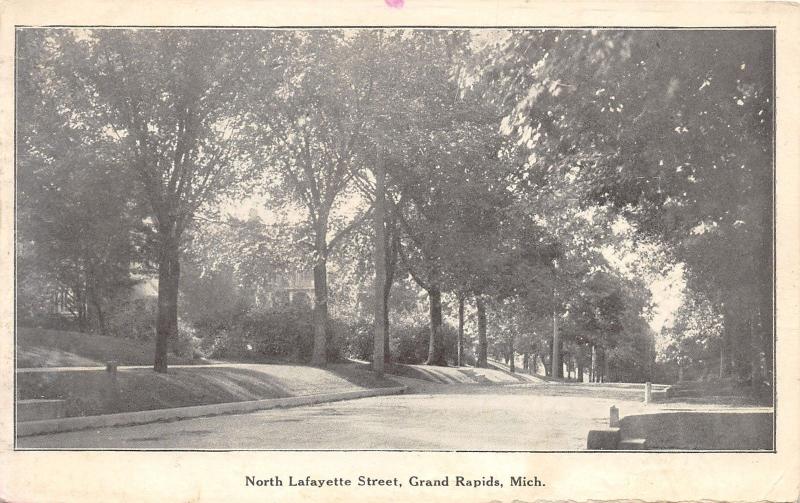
point(430, 417)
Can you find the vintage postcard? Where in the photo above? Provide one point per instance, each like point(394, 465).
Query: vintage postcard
point(399, 250)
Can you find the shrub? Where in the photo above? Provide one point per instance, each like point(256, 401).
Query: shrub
point(187, 344)
point(134, 319)
point(359, 340)
point(284, 333)
point(339, 332)
point(409, 343)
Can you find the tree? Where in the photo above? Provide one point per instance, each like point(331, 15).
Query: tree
point(446, 164)
point(693, 340)
point(68, 176)
point(171, 100)
point(672, 130)
point(313, 126)
point(381, 314)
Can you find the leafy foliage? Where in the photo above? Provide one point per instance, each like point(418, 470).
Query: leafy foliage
point(524, 169)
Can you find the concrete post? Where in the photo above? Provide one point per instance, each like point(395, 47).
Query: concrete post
point(112, 392)
point(613, 417)
point(648, 390)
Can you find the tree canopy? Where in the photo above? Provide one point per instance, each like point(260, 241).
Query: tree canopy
point(535, 182)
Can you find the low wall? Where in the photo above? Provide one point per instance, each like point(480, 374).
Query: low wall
point(701, 430)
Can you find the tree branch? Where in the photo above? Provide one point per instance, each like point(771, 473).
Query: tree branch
point(352, 225)
point(407, 263)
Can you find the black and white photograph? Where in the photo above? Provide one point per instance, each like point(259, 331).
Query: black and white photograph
point(527, 239)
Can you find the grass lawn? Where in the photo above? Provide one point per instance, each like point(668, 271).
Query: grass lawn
point(91, 392)
point(37, 347)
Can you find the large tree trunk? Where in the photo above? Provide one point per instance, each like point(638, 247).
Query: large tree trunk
point(511, 365)
point(387, 354)
point(319, 354)
point(483, 344)
point(80, 306)
point(94, 297)
point(173, 313)
point(579, 362)
point(98, 309)
point(593, 365)
point(391, 266)
point(556, 360)
point(167, 317)
point(381, 319)
point(436, 341)
point(460, 342)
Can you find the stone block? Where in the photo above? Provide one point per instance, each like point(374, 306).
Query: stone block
point(603, 440)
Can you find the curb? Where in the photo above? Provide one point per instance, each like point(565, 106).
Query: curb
point(29, 428)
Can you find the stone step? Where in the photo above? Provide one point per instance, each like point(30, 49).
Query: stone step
point(604, 439)
point(39, 409)
point(632, 444)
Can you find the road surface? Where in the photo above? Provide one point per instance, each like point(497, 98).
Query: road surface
point(538, 417)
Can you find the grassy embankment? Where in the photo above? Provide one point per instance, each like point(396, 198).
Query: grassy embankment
point(90, 392)
point(37, 347)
